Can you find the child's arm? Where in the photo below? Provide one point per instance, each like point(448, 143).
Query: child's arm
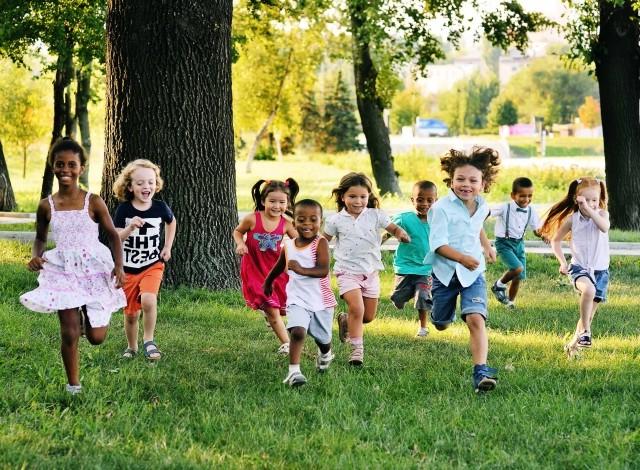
point(321, 269)
point(291, 230)
point(556, 244)
point(246, 224)
point(278, 268)
point(600, 217)
point(169, 236)
point(43, 216)
point(135, 223)
point(467, 261)
point(398, 232)
point(101, 214)
point(489, 252)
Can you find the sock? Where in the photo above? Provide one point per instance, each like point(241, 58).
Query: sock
point(359, 341)
point(294, 368)
point(499, 283)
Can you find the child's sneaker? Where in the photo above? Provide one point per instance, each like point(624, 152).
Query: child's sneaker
point(323, 361)
point(74, 389)
point(511, 305)
point(343, 327)
point(500, 293)
point(484, 378)
point(584, 340)
point(283, 349)
point(295, 379)
point(422, 332)
point(357, 355)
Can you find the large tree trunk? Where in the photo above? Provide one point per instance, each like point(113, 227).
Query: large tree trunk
point(7, 198)
point(169, 100)
point(59, 117)
point(370, 105)
point(83, 94)
point(617, 68)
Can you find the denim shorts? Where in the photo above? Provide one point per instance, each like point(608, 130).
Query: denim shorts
point(473, 299)
point(511, 252)
point(600, 279)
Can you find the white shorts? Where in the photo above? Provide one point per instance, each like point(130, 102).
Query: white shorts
point(318, 324)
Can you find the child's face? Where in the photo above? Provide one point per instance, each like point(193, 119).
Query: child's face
point(523, 196)
point(67, 167)
point(143, 184)
point(591, 196)
point(467, 182)
point(423, 199)
point(307, 220)
point(275, 204)
point(356, 199)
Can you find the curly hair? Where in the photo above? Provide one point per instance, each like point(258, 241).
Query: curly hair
point(350, 180)
point(123, 181)
point(568, 205)
point(259, 192)
point(66, 144)
point(483, 158)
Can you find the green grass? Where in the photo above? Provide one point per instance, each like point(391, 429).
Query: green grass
point(557, 146)
point(216, 398)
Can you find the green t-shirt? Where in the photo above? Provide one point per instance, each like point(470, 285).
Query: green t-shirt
point(409, 257)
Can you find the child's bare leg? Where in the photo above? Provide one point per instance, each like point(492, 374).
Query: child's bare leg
point(370, 309)
point(356, 308)
point(478, 339)
point(273, 315)
point(510, 275)
point(149, 302)
point(297, 334)
point(94, 335)
point(513, 288)
point(422, 316)
point(587, 292)
point(69, 335)
point(131, 330)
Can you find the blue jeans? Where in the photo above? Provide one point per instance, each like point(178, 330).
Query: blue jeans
point(473, 299)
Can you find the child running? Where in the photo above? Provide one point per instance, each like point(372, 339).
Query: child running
point(583, 214)
point(357, 255)
point(310, 301)
point(412, 276)
point(258, 240)
point(77, 276)
point(457, 242)
point(512, 221)
point(140, 220)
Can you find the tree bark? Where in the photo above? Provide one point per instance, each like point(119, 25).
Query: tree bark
point(169, 100)
point(83, 94)
point(370, 106)
point(59, 117)
point(7, 198)
point(617, 69)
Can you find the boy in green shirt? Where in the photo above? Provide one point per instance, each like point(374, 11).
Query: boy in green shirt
point(413, 277)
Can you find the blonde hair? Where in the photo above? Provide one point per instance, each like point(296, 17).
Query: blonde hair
point(123, 181)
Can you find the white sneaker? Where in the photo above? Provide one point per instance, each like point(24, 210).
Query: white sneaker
point(323, 361)
point(295, 379)
point(511, 305)
point(422, 332)
point(74, 389)
point(283, 349)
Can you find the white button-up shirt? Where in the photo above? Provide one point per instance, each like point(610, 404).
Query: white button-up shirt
point(452, 225)
point(357, 249)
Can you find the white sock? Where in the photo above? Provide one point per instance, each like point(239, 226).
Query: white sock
point(294, 368)
point(499, 283)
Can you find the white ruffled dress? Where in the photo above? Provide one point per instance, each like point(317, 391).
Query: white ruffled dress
point(78, 271)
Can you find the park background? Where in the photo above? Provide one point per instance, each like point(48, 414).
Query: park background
point(216, 398)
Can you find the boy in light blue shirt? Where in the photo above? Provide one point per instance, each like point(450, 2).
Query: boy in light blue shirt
point(413, 276)
point(457, 241)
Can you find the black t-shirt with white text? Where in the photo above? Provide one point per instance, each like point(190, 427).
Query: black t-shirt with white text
point(142, 248)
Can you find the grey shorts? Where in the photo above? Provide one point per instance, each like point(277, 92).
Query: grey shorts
point(318, 324)
point(412, 286)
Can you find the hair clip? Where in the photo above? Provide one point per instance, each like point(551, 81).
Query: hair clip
point(578, 180)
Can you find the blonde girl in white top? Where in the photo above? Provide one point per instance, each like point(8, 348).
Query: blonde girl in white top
point(582, 213)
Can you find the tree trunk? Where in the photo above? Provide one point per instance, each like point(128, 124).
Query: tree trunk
point(7, 198)
point(59, 117)
point(370, 106)
point(169, 100)
point(83, 94)
point(617, 68)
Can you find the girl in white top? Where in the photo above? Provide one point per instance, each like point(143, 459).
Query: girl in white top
point(310, 301)
point(583, 214)
point(357, 255)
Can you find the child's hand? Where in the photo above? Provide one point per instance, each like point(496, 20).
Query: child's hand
point(490, 255)
point(403, 236)
point(563, 268)
point(118, 274)
point(136, 222)
point(241, 249)
point(165, 254)
point(36, 263)
point(294, 266)
point(469, 262)
point(267, 289)
point(583, 206)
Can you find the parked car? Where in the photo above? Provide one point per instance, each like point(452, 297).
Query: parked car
point(427, 127)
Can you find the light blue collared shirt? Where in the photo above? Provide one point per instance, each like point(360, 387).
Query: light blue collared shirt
point(452, 225)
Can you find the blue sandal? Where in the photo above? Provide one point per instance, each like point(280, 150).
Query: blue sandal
point(150, 348)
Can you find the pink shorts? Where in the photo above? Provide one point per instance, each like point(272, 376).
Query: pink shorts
point(369, 284)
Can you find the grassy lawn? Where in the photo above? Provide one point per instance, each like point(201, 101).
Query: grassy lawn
point(216, 398)
point(557, 146)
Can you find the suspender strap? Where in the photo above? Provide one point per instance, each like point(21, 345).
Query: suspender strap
point(506, 227)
